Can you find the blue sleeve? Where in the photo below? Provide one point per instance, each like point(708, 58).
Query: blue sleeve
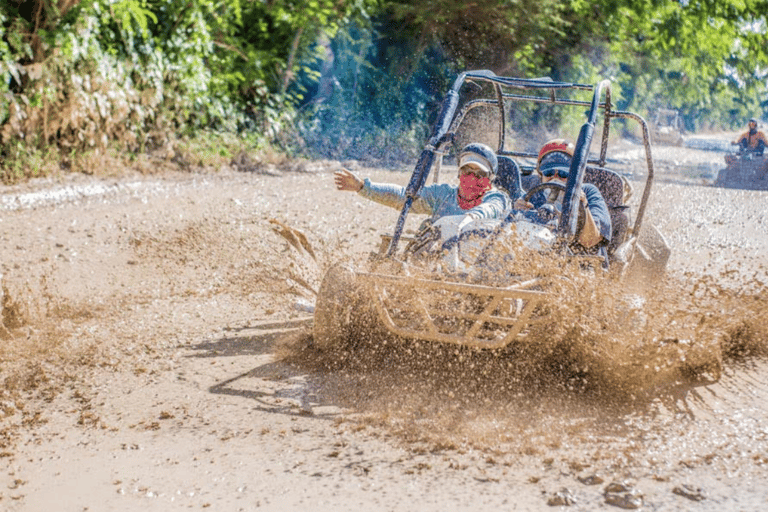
point(393, 196)
point(538, 199)
point(599, 210)
point(496, 204)
point(437, 200)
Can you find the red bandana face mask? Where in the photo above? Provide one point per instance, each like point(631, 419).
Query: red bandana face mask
point(471, 190)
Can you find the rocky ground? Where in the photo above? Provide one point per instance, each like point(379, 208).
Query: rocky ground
point(151, 360)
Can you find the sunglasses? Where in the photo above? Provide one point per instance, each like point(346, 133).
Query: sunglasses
point(562, 173)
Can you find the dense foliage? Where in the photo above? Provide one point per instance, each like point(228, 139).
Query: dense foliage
point(346, 78)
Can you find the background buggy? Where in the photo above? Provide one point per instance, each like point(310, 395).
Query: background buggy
point(744, 170)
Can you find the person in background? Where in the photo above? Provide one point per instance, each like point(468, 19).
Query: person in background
point(752, 140)
point(474, 197)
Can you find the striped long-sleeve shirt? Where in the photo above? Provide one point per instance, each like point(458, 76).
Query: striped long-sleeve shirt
point(437, 200)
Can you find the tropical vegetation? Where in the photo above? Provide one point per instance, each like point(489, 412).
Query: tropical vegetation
point(340, 78)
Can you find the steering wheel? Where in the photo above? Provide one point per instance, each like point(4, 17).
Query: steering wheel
point(557, 189)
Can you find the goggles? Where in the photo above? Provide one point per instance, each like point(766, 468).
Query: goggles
point(562, 173)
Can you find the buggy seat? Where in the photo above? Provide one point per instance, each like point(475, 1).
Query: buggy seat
point(611, 186)
point(508, 177)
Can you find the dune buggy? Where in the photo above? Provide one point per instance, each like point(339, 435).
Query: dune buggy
point(450, 287)
point(745, 170)
point(667, 127)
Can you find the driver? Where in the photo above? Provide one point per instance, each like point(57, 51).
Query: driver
point(553, 166)
point(475, 197)
point(752, 140)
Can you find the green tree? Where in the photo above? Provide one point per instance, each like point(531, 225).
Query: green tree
point(365, 75)
point(708, 58)
point(507, 36)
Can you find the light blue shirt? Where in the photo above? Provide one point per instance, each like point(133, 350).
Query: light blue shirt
point(437, 200)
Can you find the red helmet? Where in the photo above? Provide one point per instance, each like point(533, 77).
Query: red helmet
point(555, 145)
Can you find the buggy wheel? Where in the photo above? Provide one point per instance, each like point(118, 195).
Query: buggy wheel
point(335, 309)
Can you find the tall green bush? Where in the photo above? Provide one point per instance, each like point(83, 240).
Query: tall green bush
point(708, 59)
point(118, 71)
point(367, 108)
point(348, 78)
point(137, 72)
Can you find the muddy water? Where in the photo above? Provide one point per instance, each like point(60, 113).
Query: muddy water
point(467, 427)
point(675, 443)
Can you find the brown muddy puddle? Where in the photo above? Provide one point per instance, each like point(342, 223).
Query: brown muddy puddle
point(680, 441)
point(685, 443)
point(697, 439)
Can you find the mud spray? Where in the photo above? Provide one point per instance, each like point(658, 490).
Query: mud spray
point(600, 388)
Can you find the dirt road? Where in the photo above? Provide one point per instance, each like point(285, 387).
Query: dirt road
point(148, 321)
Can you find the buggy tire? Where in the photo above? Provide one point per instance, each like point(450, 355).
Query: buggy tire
point(335, 309)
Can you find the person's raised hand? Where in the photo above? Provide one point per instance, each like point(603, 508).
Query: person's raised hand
point(347, 180)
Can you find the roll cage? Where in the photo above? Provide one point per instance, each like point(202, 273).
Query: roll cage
point(508, 91)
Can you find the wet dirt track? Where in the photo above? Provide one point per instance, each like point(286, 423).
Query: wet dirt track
point(148, 368)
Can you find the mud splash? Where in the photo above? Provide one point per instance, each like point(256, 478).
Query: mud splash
point(629, 337)
point(177, 287)
point(609, 387)
point(578, 404)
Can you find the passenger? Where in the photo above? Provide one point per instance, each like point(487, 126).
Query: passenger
point(553, 165)
point(474, 197)
point(752, 140)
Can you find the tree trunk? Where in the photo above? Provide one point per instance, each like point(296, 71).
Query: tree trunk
point(288, 74)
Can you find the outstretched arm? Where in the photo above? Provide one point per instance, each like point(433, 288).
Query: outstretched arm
point(387, 194)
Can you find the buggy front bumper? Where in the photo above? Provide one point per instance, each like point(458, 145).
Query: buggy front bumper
point(470, 315)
